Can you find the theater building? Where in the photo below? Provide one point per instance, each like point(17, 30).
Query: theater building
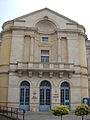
point(43, 62)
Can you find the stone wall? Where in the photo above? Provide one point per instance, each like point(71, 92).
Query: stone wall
point(88, 62)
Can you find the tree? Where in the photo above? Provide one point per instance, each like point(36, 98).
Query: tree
point(82, 110)
point(60, 111)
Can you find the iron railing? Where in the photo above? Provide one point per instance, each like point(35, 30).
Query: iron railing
point(12, 112)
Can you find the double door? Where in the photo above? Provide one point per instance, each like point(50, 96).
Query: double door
point(65, 96)
point(45, 98)
point(24, 97)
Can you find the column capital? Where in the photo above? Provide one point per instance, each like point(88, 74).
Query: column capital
point(32, 36)
point(59, 38)
point(27, 36)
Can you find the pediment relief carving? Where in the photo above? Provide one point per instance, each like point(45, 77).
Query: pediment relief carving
point(45, 26)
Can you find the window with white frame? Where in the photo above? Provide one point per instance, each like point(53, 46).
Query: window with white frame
point(44, 55)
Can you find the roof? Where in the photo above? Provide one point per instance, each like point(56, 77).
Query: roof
point(47, 9)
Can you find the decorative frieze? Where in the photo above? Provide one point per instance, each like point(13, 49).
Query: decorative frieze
point(29, 68)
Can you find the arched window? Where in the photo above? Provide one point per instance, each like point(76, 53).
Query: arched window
point(45, 83)
point(45, 96)
point(65, 94)
point(25, 95)
point(65, 84)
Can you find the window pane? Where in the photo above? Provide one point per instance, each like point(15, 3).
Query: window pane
point(41, 96)
point(45, 52)
point(27, 97)
point(62, 96)
point(44, 39)
point(22, 96)
point(44, 58)
point(47, 96)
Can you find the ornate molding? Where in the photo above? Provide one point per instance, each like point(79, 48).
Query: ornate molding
point(20, 72)
point(40, 74)
point(50, 74)
point(70, 75)
point(61, 74)
point(30, 73)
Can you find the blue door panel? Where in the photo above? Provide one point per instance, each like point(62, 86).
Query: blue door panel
point(24, 96)
point(44, 108)
point(45, 97)
point(65, 95)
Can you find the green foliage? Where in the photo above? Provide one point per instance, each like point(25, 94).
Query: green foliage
point(60, 110)
point(82, 110)
point(88, 110)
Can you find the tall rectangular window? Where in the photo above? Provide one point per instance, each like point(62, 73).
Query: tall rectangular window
point(44, 39)
point(44, 55)
point(44, 58)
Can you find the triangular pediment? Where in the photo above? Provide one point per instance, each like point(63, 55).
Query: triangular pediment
point(31, 19)
point(42, 10)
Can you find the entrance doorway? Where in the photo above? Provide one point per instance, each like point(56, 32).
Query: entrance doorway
point(24, 96)
point(65, 94)
point(45, 96)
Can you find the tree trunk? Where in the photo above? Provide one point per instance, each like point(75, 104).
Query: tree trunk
point(61, 117)
point(82, 117)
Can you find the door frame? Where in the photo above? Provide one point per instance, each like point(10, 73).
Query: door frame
point(50, 93)
point(64, 88)
point(24, 95)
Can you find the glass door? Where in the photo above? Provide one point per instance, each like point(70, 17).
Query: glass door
point(65, 94)
point(45, 96)
point(24, 95)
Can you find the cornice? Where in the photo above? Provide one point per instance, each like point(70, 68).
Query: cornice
point(36, 29)
point(68, 30)
point(83, 34)
point(7, 22)
point(23, 28)
point(6, 31)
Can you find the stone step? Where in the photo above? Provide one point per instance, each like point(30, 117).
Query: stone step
point(38, 113)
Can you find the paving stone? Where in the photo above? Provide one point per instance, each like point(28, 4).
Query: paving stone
point(49, 116)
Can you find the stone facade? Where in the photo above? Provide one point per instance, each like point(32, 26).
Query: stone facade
point(43, 46)
point(88, 62)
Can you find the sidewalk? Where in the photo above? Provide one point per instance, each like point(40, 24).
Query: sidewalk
point(49, 116)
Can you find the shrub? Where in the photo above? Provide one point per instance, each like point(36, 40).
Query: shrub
point(60, 111)
point(88, 110)
point(82, 110)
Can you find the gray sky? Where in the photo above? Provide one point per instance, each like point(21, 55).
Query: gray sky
point(77, 10)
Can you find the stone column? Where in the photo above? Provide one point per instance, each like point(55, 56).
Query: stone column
point(59, 49)
point(32, 48)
